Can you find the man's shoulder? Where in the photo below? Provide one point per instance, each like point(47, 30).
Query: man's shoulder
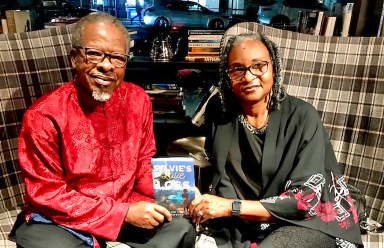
point(53, 98)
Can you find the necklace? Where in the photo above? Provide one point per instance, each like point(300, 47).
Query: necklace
point(251, 128)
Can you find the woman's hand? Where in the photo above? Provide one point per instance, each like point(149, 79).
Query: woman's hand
point(209, 207)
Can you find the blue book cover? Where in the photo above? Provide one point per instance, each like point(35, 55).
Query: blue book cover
point(174, 183)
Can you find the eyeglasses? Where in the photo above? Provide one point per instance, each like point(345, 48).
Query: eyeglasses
point(258, 69)
point(96, 56)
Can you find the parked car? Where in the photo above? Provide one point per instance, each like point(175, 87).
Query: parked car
point(51, 9)
point(283, 14)
point(184, 13)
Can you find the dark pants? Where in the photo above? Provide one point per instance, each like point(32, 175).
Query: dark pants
point(179, 233)
point(285, 236)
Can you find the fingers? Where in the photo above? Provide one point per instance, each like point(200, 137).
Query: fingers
point(163, 212)
point(147, 215)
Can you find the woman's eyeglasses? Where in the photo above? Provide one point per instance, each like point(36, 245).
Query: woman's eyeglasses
point(257, 69)
point(96, 56)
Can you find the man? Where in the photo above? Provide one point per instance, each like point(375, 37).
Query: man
point(85, 150)
point(138, 12)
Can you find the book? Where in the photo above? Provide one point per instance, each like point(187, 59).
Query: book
point(202, 58)
point(203, 49)
point(319, 23)
point(174, 183)
point(310, 21)
point(4, 24)
point(18, 21)
point(9, 15)
point(162, 86)
point(205, 32)
point(347, 15)
point(300, 21)
point(206, 37)
point(203, 44)
point(203, 53)
point(329, 26)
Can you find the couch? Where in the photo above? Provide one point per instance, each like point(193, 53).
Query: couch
point(343, 77)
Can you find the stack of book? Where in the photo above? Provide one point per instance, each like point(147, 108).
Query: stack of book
point(204, 45)
point(167, 101)
point(15, 21)
point(335, 23)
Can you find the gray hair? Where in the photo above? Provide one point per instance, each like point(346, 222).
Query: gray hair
point(229, 101)
point(77, 31)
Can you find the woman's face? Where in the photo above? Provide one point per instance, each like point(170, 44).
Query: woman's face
point(248, 87)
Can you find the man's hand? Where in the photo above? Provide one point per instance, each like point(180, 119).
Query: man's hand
point(147, 215)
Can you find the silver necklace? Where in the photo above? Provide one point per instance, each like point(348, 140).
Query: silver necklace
point(243, 120)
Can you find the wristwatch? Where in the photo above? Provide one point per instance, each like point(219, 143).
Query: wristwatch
point(236, 206)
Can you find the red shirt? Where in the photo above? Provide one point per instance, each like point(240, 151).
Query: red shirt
point(84, 161)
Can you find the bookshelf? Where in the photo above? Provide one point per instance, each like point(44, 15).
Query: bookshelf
point(143, 71)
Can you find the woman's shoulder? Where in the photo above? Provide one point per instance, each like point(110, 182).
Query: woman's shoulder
point(296, 104)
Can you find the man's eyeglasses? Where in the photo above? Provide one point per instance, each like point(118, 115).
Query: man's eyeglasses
point(257, 69)
point(96, 56)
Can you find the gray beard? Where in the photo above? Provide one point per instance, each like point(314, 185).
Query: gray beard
point(101, 96)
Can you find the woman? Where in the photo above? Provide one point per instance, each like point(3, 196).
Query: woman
point(276, 181)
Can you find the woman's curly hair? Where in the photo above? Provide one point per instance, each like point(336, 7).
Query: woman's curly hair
point(229, 101)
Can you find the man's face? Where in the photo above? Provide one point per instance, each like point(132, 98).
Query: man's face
point(102, 78)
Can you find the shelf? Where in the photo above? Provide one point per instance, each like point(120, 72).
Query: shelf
point(146, 62)
point(142, 70)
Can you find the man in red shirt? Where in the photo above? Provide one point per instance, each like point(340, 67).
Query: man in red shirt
point(85, 150)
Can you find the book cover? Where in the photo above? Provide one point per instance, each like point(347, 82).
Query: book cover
point(174, 183)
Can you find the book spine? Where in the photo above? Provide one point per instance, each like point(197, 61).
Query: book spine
point(194, 44)
point(205, 41)
point(300, 19)
point(205, 37)
point(205, 32)
point(330, 26)
point(319, 23)
point(200, 54)
point(22, 21)
point(203, 49)
point(4, 23)
point(160, 86)
point(9, 14)
point(202, 58)
point(347, 15)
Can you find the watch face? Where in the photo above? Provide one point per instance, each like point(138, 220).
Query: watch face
point(236, 205)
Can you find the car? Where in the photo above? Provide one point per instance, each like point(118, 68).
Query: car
point(284, 14)
point(51, 9)
point(184, 14)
